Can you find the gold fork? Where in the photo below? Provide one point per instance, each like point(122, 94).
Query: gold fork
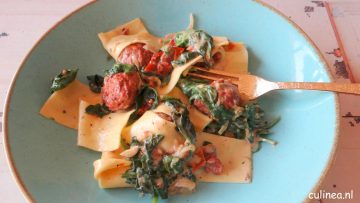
point(251, 87)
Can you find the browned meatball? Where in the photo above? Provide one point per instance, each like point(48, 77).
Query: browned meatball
point(135, 54)
point(227, 93)
point(120, 89)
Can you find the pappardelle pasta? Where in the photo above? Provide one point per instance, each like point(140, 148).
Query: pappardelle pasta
point(158, 130)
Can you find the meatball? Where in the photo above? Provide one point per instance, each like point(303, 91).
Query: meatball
point(135, 54)
point(227, 93)
point(120, 89)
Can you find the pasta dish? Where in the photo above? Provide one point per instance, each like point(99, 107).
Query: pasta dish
point(158, 129)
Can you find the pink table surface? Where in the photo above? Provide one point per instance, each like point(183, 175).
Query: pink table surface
point(23, 22)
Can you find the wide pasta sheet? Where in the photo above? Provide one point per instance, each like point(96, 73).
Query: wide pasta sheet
point(101, 134)
point(234, 57)
point(234, 154)
point(176, 74)
point(151, 123)
point(133, 27)
point(108, 170)
point(115, 40)
point(63, 105)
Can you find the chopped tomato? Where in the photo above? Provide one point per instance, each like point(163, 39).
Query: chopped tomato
point(205, 157)
point(160, 64)
point(201, 106)
point(198, 160)
point(151, 66)
point(172, 42)
point(214, 165)
point(177, 52)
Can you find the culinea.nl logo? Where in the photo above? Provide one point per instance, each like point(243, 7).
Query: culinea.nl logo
point(322, 194)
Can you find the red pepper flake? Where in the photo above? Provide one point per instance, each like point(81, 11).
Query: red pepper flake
point(177, 52)
point(125, 31)
point(230, 46)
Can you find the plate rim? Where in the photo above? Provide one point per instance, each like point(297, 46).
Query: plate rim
point(11, 163)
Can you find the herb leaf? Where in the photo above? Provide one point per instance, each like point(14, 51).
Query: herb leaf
point(120, 68)
point(95, 82)
point(64, 78)
point(99, 110)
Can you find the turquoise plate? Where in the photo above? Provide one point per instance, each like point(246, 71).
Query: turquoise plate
point(48, 165)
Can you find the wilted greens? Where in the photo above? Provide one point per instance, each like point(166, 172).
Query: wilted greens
point(63, 79)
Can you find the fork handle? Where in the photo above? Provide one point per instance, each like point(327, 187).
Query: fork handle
point(334, 87)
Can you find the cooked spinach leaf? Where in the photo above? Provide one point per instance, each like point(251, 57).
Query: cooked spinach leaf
point(208, 95)
point(120, 68)
point(95, 82)
point(184, 58)
point(154, 177)
point(180, 116)
point(258, 127)
point(147, 99)
point(64, 78)
point(250, 125)
point(143, 173)
point(173, 164)
point(198, 41)
point(99, 110)
point(247, 122)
